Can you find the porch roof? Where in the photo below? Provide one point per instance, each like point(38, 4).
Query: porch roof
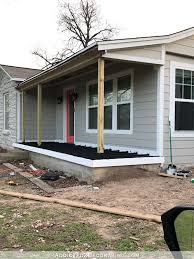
point(105, 49)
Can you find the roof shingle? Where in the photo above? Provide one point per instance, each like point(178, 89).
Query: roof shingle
point(20, 72)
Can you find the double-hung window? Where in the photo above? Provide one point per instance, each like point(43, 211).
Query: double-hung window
point(6, 111)
point(93, 105)
point(184, 100)
point(108, 104)
point(123, 103)
point(117, 104)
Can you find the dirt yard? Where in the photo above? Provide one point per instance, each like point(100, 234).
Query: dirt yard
point(143, 191)
point(146, 192)
point(38, 226)
point(34, 226)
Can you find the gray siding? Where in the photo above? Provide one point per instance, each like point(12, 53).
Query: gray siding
point(151, 52)
point(184, 46)
point(183, 148)
point(144, 112)
point(48, 117)
point(7, 86)
point(59, 116)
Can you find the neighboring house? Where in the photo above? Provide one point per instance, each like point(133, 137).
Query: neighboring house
point(147, 82)
point(10, 76)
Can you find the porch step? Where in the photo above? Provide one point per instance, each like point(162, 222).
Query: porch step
point(13, 155)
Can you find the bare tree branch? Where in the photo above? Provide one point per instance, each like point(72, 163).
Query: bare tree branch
point(81, 24)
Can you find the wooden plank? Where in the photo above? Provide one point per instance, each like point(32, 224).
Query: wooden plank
point(39, 114)
point(93, 207)
point(13, 167)
point(23, 117)
point(172, 176)
point(100, 105)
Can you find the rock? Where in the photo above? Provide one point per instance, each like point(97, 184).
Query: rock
point(96, 188)
point(2, 217)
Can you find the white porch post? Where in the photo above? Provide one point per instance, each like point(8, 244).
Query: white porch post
point(23, 117)
point(100, 123)
point(39, 114)
point(160, 111)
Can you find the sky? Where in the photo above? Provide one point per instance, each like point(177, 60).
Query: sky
point(27, 25)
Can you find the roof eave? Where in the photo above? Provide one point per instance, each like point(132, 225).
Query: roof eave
point(55, 67)
point(145, 41)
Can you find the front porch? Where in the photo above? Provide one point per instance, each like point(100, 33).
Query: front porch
point(103, 113)
point(85, 163)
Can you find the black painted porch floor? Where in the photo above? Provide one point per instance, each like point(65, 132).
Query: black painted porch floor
point(85, 152)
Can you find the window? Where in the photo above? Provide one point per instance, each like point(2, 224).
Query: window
point(117, 105)
point(184, 100)
point(6, 111)
point(123, 103)
point(93, 105)
point(108, 103)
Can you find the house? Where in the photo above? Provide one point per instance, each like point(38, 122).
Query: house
point(10, 76)
point(114, 94)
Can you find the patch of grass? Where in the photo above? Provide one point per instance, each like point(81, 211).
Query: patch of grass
point(78, 234)
point(157, 245)
point(37, 227)
point(125, 245)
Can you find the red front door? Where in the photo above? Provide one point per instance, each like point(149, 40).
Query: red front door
point(70, 116)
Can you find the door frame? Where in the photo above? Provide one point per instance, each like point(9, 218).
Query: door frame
point(69, 139)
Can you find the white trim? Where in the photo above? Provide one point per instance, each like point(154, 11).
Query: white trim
point(43, 140)
point(18, 115)
point(173, 66)
point(58, 141)
point(65, 89)
point(160, 107)
point(145, 41)
point(64, 115)
point(163, 53)
point(113, 77)
point(133, 58)
point(17, 79)
point(127, 161)
point(5, 72)
point(65, 157)
point(93, 163)
point(151, 152)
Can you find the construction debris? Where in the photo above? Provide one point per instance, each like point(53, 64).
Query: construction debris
point(33, 167)
point(172, 176)
point(49, 176)
point(12, 167)
point(12, 183)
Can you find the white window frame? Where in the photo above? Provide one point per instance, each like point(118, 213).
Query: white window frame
point(173, 66)
point(113, 77)
point(4, 96)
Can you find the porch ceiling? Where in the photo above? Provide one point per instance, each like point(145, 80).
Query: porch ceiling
point(63, 69)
